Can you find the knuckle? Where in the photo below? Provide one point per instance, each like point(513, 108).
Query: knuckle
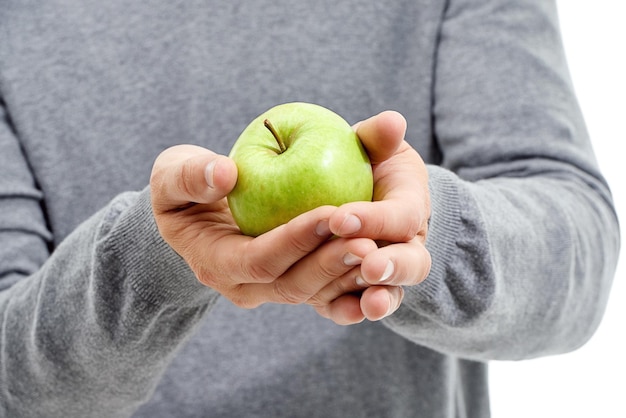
point(184, 181)
point(300, 245)
point(156, 178)
point(396, 225)
point(412, 224)
point(420, 265)
point(409, 229)
point(316, 301)
point(259, 272)
point(345, 286)
point(157, 185)
point(289, 295)
point(243, 300)
point(207, 278)
point(334, 290)
point(328, 270)
point(258, 269)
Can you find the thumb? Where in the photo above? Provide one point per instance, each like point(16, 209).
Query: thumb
point(186, 174)
point(381, 134)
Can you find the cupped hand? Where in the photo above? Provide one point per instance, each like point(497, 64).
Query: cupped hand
point(289, 264)
point(397, 219)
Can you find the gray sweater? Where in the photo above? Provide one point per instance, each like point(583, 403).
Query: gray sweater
point(100, 318)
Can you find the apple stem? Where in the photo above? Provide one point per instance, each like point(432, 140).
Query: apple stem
point(280, 142)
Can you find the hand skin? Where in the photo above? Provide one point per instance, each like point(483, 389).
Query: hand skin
point(397, 219)
point(298, 262)
point(289, 264)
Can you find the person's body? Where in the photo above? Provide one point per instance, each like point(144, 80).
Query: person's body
point(117, 298)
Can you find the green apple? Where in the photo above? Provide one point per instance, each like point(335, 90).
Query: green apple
point(291, 159)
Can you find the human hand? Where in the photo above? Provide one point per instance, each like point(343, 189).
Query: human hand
point(289, 264)
point(397, 219)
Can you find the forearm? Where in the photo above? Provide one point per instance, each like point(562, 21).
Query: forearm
point(521, 267)
point(93, 329)
point(523, 235)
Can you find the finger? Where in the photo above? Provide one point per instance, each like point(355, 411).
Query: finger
point(374, 304)
point(389, 220)
point(386, 270)
point(401, 205)
point(345, 310)
point(405, 264)
point(382, 134)
point(346, 278)
point(349, 283)
point(238, 260)
point(378, 302)
point(314, 272)
point(190, 174)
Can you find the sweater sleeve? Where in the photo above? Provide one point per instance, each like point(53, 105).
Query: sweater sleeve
point(89, 328)
point(523, 234)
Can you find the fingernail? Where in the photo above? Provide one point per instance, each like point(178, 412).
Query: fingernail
point(388, 271)
point(208, 173)
point(351, 260)
point(361, 282)
point(394, 304)
point(322, 228)
point(351, 225)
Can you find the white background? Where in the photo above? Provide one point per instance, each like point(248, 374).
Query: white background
point(590, 382)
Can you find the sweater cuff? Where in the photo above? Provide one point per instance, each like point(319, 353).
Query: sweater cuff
point(153, 269)
point(443, 229)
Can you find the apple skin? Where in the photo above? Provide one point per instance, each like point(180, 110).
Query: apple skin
point(324, 164)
